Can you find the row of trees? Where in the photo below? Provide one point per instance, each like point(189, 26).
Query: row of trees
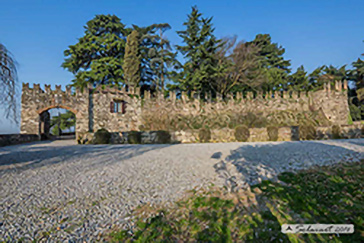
point(112, 54)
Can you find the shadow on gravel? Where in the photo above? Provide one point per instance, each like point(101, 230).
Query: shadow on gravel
point(264, 161)
point(359, 143)
point(26, 156)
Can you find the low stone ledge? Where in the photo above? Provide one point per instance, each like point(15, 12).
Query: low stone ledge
point(289, 133)
point(13, 139)
point(346, 131)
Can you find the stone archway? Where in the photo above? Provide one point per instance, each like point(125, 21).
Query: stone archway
point(36, 102)
point(40, 111)
point(45, 120)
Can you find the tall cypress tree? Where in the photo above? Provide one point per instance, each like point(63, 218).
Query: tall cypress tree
point(131, 64)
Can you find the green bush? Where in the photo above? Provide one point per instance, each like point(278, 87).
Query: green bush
point(134, 137)
point(350, 120)
point(355, 112)
point(101, 136)
point(204, 135)
point(272, 133)
point(163, 137)
point(307, 132)
point(242, 133)
point(336, 132)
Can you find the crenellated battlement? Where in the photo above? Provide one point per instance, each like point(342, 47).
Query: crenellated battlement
point(26, 89)
point(118, 109)
point(339, 86)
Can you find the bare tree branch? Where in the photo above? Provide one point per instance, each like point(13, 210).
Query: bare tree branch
point(8, 84)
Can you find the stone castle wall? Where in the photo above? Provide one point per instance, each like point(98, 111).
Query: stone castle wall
point(333, 103)
point(35, 101)
point(102, 117)
point(13, 139)
point(92, 106)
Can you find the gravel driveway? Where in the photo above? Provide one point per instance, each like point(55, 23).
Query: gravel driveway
point(63, 191)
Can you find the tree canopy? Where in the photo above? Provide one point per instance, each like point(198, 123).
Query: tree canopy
point(131, 64)
point(98, 56)
point(201, 67)
point(62, 122)
point(110, 53)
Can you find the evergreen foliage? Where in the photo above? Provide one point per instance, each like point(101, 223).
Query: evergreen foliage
point(201, 66)
point(131, 63)
point(220, 67)
point(97, 58)
point(275, 67)
point(162, 59)
point(134, 137)
point(157, 57)
point(61, 122)
point(101, 136)
point(299, 80)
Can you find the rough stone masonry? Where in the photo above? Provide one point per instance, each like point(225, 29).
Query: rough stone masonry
point(119, 110)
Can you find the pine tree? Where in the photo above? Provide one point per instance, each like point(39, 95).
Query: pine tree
point(326, 74)
point(357, 74)
point(209, 68)
point(201, 67)
point(157, 58)
point(98, 56)
point(131, 64)
point(63, 121)
point(299, 80)
point(276, 68)
point(162, 59)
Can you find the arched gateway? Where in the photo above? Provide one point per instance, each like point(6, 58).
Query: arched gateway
point(111, 108)
point(36, 102)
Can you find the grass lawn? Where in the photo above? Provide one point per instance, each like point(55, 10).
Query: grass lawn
point(325, 195)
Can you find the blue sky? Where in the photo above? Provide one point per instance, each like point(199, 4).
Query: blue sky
point(314, 33)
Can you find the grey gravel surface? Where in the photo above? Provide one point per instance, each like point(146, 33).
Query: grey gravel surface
point(60, 191)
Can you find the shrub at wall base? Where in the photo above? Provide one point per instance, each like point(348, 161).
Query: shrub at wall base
point(336, 132)
point(272, 133)
point(102, 136)
point(134, 137)
point(204, 135)
point(242, 133)
point(307, 132)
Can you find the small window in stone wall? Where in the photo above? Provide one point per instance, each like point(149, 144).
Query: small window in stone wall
point(118, 106)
